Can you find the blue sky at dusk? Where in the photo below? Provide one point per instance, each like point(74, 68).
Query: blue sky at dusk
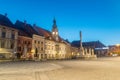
point(97, 19)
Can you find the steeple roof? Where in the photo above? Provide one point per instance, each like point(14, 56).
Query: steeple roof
point(47, 34)
point(54, 23)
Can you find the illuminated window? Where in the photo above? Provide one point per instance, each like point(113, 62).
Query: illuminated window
point(56, 33)
point(48, 47)
point(53, 32)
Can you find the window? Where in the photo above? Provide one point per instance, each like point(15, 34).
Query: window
point(18, 41)
point(41, 43)
point(28, 42)
point(56, 33)
point(12, 45)
point(25, 42)
point(3, 44)
point(53, 33)
point(29, 50)
point(48, 47)
point(0, 42)
point(42, 56)
point(13, 36)
point(41, 48)
point(3, 34)
point(45, 46)
point(50, 38)
point(35, 41)
point(19, 48)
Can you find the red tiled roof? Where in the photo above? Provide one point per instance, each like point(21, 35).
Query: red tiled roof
point(43, 32)
point(47, 34)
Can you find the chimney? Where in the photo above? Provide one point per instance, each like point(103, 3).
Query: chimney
point(5, 14)
point(25, 22)
point(17, 20)
point(34, 25)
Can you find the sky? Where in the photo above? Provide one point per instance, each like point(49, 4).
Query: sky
point(97, 19)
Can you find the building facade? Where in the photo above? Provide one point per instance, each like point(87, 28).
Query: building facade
point(24, 41)
point(38, 49)
point(55, 46)
point(24, 47)
point(8, 38)
point(99, 48)
point(114, 50)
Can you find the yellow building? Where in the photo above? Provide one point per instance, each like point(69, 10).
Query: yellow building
point(38, 46)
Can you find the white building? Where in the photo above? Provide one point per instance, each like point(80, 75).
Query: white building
point(8, 38)
point(55, 46)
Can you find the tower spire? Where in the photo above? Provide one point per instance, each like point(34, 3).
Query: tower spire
point(55, 30)
point(81, 47)
point(80, 38)
point(54, 21)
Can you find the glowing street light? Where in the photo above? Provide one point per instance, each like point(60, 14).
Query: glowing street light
point(117, 45)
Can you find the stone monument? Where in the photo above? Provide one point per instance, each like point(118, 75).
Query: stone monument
point(84, 52)
point(81, 47)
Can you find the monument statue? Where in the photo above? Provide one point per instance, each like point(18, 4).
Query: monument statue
point(81, 47)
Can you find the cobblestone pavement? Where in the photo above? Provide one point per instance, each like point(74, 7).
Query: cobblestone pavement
point(100, 69)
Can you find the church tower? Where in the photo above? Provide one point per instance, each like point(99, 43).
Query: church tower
point(55, 34)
